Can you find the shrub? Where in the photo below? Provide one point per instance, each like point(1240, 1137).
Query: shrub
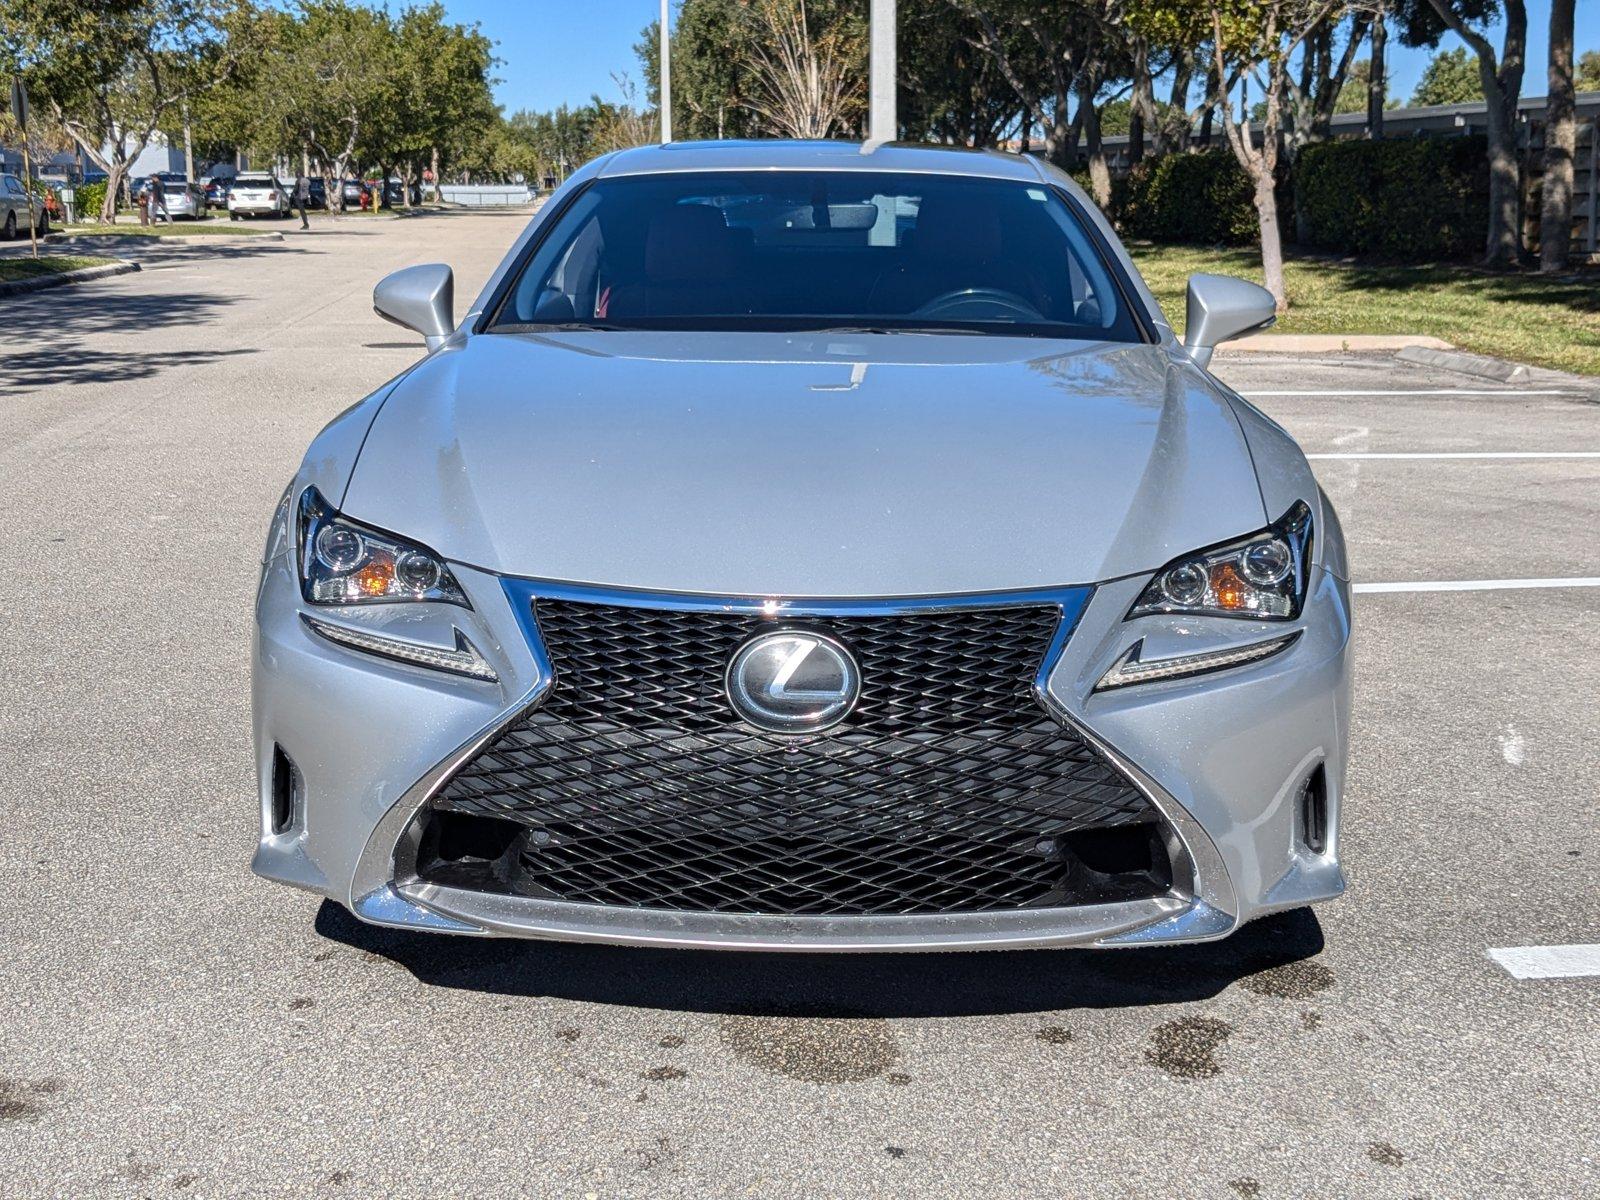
point(1204, 197)
point(87, 199)
point(1415, 198)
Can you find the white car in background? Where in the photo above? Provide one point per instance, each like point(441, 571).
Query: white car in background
point(257, 195)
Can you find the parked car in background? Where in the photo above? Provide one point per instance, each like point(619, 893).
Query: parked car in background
point(257, 194)
point(395, 190)
point(319, 193)
point(351, 191)
point(180, 199)
point(19, 209)
point(216, 189)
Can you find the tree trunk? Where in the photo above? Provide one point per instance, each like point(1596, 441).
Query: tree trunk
point(1183, 75)
point(1266, 199)
point(435, 169)
point(1560, 144)
point(1503, 245)
point(1377, 81)
point(188, 146)
point(1059, 144)
point(1142, 102)
point(1099, 171)
point(108, 206)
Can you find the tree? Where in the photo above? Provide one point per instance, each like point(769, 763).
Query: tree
point(1262, 35)
point(1352, 96)
point(805, 85)
point(1560, 144)
point(1588, 74)
point(108, 73)
point(1423, 22)
point(1451, 77)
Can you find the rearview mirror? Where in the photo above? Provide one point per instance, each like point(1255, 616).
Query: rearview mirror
point(422, 298)
point(1220, 307)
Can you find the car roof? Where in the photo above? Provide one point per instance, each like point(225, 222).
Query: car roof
point(768, 155)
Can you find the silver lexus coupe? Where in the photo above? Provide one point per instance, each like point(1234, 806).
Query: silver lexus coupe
point(807, 546)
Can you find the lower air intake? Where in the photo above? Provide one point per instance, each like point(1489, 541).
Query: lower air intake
point(948, 788)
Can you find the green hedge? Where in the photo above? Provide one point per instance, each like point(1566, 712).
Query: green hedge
point(87, 199)
point(1416, 199)
point(1204, 197)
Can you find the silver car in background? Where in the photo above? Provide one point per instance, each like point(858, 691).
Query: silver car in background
point(180, 200)
point(19, 208)
point(257, 195)
point(807, 546)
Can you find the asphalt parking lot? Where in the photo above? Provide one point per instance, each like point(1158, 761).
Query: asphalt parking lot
point(176, 1026)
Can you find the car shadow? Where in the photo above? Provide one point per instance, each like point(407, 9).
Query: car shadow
point(836, 985)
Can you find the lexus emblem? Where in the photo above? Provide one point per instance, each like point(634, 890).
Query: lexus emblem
point(793, 681)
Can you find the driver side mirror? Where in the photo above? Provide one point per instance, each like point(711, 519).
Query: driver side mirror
point(1219, 308)
point(422, 298)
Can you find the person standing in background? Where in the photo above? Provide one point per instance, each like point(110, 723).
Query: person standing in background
point(158, 200)
point(302, 197)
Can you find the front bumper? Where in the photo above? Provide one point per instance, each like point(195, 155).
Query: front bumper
point(1224, 757)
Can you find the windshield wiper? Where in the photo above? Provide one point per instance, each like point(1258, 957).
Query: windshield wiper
point(558, 326)
point(887, 329)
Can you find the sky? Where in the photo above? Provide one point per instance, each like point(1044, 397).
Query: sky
point(563, 51)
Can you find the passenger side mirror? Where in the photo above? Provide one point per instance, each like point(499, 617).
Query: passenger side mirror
point(1220, 307)
point(422, 298)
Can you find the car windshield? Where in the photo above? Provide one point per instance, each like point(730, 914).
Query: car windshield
point(794, 250)
point(254, 181)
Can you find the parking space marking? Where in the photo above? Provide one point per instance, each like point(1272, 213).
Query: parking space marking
point(1459, 454)
point(1548, 962)
point(1478, 585)
point(1415, 392)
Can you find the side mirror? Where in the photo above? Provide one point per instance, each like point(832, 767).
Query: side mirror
point(1220, 307)
point(422, 298)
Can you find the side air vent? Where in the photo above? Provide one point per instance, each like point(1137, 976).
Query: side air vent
point(1314, 812)
point(285, 791)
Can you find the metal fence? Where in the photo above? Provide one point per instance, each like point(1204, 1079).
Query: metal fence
point(477, 195)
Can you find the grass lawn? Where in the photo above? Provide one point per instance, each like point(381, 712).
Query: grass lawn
point(1524, 317)
point(14, 268)
point(172, 229)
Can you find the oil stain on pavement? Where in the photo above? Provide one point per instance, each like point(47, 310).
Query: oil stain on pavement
point(23, 1099)
point(815, 1049)
point(1187, 1048)
point(1292, 981)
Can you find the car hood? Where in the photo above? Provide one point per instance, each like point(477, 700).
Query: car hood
point(814, 465)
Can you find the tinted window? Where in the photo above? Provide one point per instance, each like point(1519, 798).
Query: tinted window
point(797, 250)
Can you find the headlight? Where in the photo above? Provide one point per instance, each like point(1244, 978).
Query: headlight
point(1261, 576)
point(345, 563)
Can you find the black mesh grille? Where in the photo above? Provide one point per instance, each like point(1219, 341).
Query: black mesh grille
point(947, 789)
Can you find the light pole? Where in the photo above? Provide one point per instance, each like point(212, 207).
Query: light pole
point(666, 74)
point(882, 120)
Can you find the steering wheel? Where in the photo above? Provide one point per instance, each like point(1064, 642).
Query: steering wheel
point(980, 304)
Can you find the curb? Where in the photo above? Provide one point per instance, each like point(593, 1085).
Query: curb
point(1330, 343)
point(183, 239)
point(15, 287)
point(1480, 365)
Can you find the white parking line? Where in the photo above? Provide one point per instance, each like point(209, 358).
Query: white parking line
point(1414, 454)
point(1415, 392)
point(1478, 585)
point(1548, 962)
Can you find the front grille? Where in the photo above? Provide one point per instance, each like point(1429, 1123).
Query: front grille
point(947, 789)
